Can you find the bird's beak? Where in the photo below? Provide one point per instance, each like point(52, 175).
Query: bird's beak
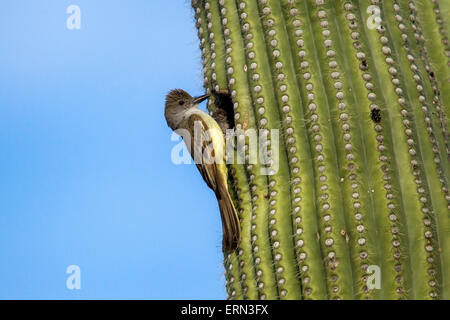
point(200, 98)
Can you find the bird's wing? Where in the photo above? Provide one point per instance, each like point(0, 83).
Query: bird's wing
point(207, 143)
point(202, 149)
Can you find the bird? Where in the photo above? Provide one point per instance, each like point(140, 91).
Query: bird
point(182, 112)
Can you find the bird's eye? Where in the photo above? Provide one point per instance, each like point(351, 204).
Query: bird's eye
point(181, 102)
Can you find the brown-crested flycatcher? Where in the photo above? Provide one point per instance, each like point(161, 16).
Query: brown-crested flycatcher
point(206, 144)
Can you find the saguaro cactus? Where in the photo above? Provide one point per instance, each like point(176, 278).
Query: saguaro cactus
point(360, 93)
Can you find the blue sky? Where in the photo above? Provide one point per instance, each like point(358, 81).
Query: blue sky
point(85, 171)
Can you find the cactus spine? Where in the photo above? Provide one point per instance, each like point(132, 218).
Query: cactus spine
point(362, 105)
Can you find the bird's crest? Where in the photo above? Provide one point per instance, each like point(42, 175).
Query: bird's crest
point(176, 95)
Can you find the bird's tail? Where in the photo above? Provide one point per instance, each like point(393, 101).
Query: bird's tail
point(230, 220)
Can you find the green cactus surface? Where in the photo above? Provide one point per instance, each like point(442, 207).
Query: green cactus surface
point(360, 94)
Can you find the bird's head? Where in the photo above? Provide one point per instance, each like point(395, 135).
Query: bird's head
point(179, 101)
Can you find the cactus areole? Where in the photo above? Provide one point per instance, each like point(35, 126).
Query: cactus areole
point(359, 93)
